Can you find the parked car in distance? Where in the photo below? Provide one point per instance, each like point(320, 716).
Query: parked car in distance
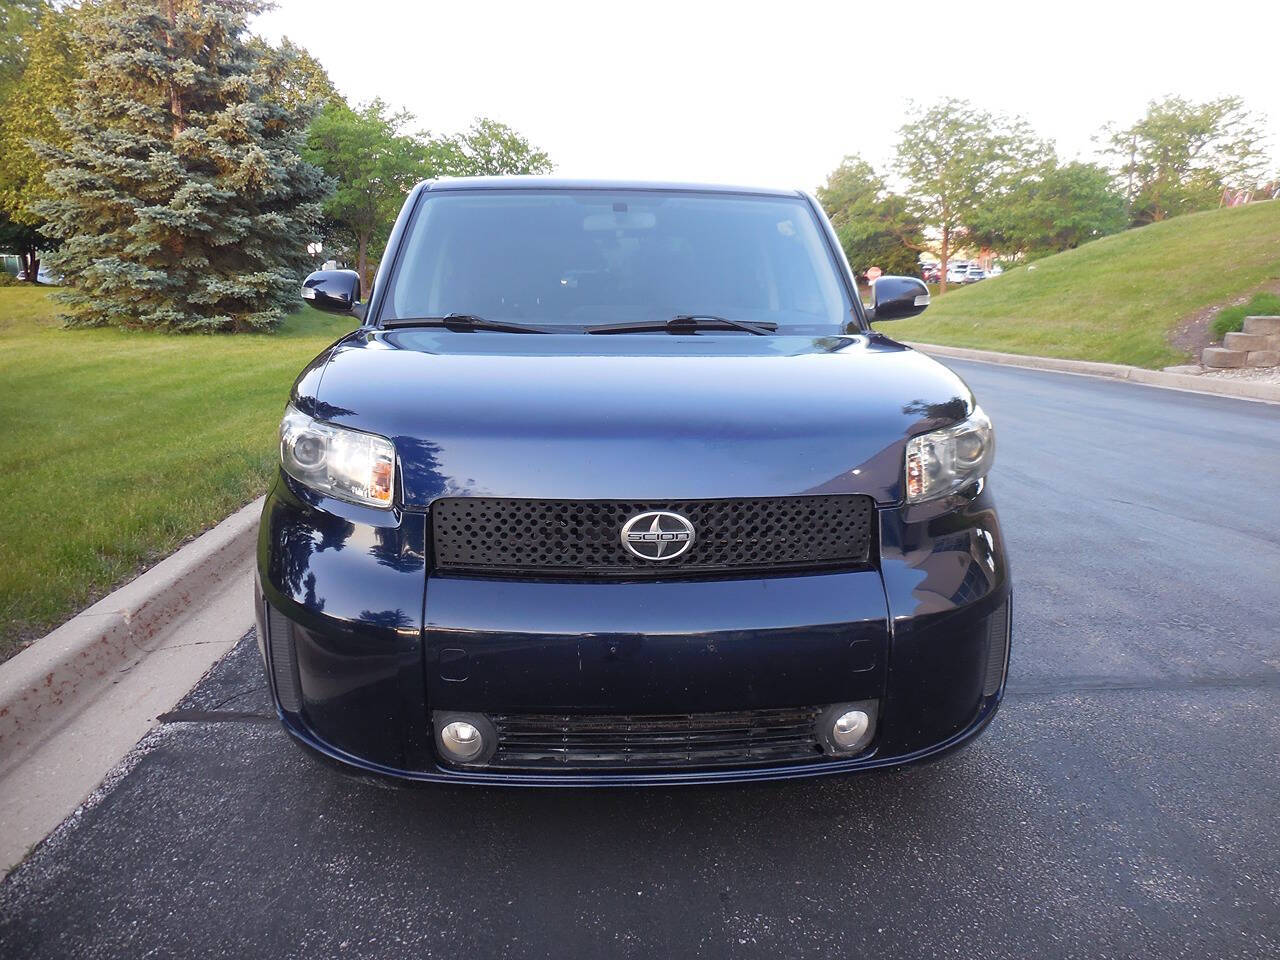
point(974, 273)
point(995, 271)
point(43, 275)
point(615, 483)
point(958, 271)
point(931, 272)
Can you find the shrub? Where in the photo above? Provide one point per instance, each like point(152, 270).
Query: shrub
point(1231, 319)
point(8, 279)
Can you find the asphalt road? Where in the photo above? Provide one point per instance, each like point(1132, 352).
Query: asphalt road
point(1124, 803)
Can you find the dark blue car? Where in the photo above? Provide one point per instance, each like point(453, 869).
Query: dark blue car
point(614, 484)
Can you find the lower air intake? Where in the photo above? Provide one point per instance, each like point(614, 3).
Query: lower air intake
point(997, 649)
point(549, 742)
point(284, 661)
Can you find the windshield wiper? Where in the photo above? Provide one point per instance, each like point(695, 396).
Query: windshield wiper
point(465, 323)
point(686, 323)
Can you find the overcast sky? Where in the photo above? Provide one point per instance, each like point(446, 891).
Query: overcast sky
point(776, 94)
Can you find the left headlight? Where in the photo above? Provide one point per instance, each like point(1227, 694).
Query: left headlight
point(947, 460)
point(349, 464)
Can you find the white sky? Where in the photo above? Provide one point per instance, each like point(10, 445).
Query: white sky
point(775, 94)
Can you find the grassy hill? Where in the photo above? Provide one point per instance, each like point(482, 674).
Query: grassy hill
point(1116, 299)
point(118, 446)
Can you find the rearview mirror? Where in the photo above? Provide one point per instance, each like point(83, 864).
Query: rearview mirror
point(334, 291)
point(894, 298)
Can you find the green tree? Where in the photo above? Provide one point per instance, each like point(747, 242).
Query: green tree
point(875, 226)
point(298, 80)
point(956, 159)
point(1180, 156)
point(490, 149)
point(374, 165)
point(1050, 209)
point(180, 195)
point(27, 115)
point(18, 18)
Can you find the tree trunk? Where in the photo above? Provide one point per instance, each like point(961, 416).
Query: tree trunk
point(30, 264)
point(945, 251)
point(175, 95)
point(362, 265)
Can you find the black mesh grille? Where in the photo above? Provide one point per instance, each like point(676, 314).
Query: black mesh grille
point(636, 742)
point(583, 537)
point(284, 660)
point(997, 649)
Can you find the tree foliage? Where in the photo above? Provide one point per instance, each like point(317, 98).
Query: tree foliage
point(489, 149)
point(180, 195)
point(1180, 155)
point(875, 226)
point(299, 80)
point(18, 18)
point(956, 158)
point(374, 165)
point(46, 84)
point(27, 115)
point(1049, 209)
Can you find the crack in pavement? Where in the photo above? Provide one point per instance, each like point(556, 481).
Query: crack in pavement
point(1049, 687)
point(214, 716)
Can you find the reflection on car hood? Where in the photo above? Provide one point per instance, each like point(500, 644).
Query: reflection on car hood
point(635, 417)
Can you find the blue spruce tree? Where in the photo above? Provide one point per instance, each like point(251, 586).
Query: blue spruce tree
point(181, 197)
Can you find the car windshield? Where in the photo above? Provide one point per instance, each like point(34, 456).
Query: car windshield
point(575, 258)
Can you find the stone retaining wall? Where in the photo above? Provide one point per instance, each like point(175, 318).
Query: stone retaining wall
point(1257, 346)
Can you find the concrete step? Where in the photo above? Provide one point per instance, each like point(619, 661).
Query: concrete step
point(1222, 357)
point(1263, 358)
point(1246, 341)
point(1267, 326)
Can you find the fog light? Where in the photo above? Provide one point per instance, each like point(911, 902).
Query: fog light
point(849, 728)
point(844, 729)
point(465, 738)
point(461, 740)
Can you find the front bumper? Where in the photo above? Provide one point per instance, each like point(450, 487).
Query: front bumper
point(362, 643)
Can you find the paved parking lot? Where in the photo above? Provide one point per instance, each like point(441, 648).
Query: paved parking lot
point(1124, 803)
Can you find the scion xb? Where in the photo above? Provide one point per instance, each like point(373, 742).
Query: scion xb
point(614, 483)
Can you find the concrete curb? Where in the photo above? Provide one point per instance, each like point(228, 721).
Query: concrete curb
point(1240, 389)
point(45, 684)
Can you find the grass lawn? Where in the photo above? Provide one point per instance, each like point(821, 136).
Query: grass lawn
point(119, 446)
point(1116, 299)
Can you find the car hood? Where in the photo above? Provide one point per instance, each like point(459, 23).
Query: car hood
point(644, 417)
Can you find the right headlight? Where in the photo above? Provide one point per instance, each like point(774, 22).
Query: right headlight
point(349, 464)
point(947, 460)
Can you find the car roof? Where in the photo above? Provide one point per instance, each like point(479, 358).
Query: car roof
point(565, 183)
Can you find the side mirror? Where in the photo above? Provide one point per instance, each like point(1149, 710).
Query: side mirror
point(334, 291)
point(895, 298)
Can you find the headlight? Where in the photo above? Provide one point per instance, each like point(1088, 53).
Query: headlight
point(355, 466)
point(949, 459)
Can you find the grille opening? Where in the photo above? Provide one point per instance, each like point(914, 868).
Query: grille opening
point(554, 742)
point(997, 649)
point(479, 535)
point(284, 660)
